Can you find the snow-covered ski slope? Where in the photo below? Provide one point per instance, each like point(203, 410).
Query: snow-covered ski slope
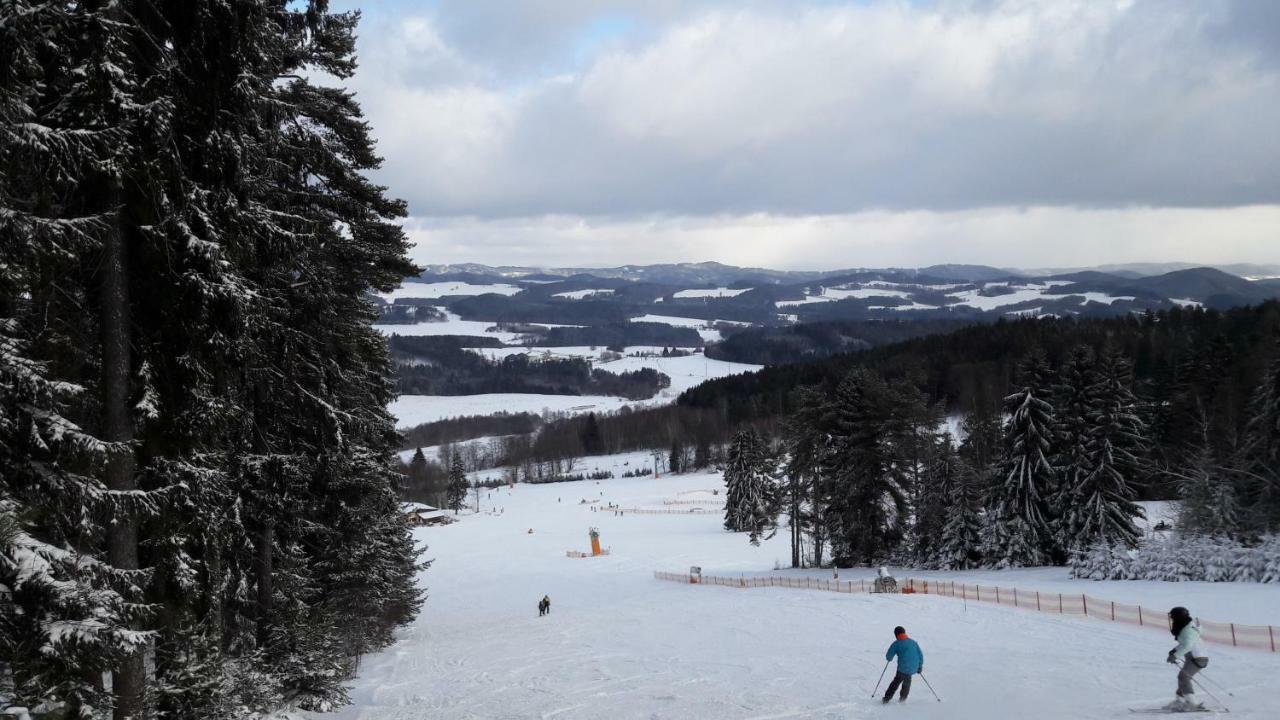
point(619, 644)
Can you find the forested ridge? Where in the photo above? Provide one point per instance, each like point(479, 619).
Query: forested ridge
point(198, 501)
point(1048, 464)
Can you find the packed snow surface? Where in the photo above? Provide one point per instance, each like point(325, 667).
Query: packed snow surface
point(441, 289)
point(620, 645)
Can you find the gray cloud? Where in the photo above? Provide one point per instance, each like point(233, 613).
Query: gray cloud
point(830, 109)
point(552, 128)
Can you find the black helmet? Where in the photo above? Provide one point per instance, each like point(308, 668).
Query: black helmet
point(899, 631)
point(1179, 613)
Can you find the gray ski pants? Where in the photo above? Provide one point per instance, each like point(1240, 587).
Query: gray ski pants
point(899, 678)
point(1190, 666)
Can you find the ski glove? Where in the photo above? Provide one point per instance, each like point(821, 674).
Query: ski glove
point(1173, 659)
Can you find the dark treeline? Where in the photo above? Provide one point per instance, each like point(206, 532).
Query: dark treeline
point(198, 516)
point(446, 370)
point(621, 335)
point(974, 367)
point(868, 473)
point(503, 308)
point(443, 432)
point(806, 342)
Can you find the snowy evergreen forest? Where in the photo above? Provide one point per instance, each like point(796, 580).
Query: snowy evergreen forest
point(198, 502)
point(869, 474)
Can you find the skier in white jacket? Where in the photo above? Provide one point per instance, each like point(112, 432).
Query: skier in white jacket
point(1193, 658)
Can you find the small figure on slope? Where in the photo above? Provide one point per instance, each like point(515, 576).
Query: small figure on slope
point(1193, 658)
point(544, 606)
point(910, 661)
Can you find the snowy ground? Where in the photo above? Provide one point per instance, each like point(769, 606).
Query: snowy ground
point(685, 372)
point(441, 289)
point(619, 644)
point(411, 410)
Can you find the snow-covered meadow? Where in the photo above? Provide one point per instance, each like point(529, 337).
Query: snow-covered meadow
point(620, 644)
point(685, 372)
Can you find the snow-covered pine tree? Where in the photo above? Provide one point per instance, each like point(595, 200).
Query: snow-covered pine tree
point(1017, 507)
point(1072, 407)
point(750, 496)
point(456, 490)
point(866, 488)
point(1260, 486)
point(806, 449)
point(1207, 491)
point(961, 544)
point(1103, 508)
point(933, 500)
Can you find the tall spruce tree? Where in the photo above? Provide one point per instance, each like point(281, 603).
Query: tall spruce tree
point(804, 438)
point(1103, 508)
point(1260, 482)
point(456, 490)
point(867, 489)
point(1073, 425)
point(960, 547)
point(1018, 531)
point(750, 496)
point(196, 281)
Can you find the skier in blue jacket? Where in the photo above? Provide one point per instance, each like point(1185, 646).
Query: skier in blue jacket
point(910, 661)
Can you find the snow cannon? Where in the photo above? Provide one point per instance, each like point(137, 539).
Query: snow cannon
point(595, 541)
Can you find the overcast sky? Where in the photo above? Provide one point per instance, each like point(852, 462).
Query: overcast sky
point(828, 134)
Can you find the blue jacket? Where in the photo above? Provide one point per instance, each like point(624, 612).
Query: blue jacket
point(910, 656)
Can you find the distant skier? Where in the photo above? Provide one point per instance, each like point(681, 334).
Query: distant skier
point(910, 661)
point(546, 604)
point(1194, 658)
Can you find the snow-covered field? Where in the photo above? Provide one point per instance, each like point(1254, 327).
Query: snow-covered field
point(702, 326)
point(410, 410)
point(580, 294)
point(455, 325)
point(441, 289)
point(685, 372)
point(709, 292)
point(619, 644)
point(1030, 292)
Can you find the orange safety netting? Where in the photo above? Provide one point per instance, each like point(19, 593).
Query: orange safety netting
point(1260, 637)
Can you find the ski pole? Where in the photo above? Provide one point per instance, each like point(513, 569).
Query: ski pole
point(926, 684)
point(1215, 683)
point(886, 667)
point(1215, 697)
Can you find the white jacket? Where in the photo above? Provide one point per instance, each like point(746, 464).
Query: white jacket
point(1189, 642)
